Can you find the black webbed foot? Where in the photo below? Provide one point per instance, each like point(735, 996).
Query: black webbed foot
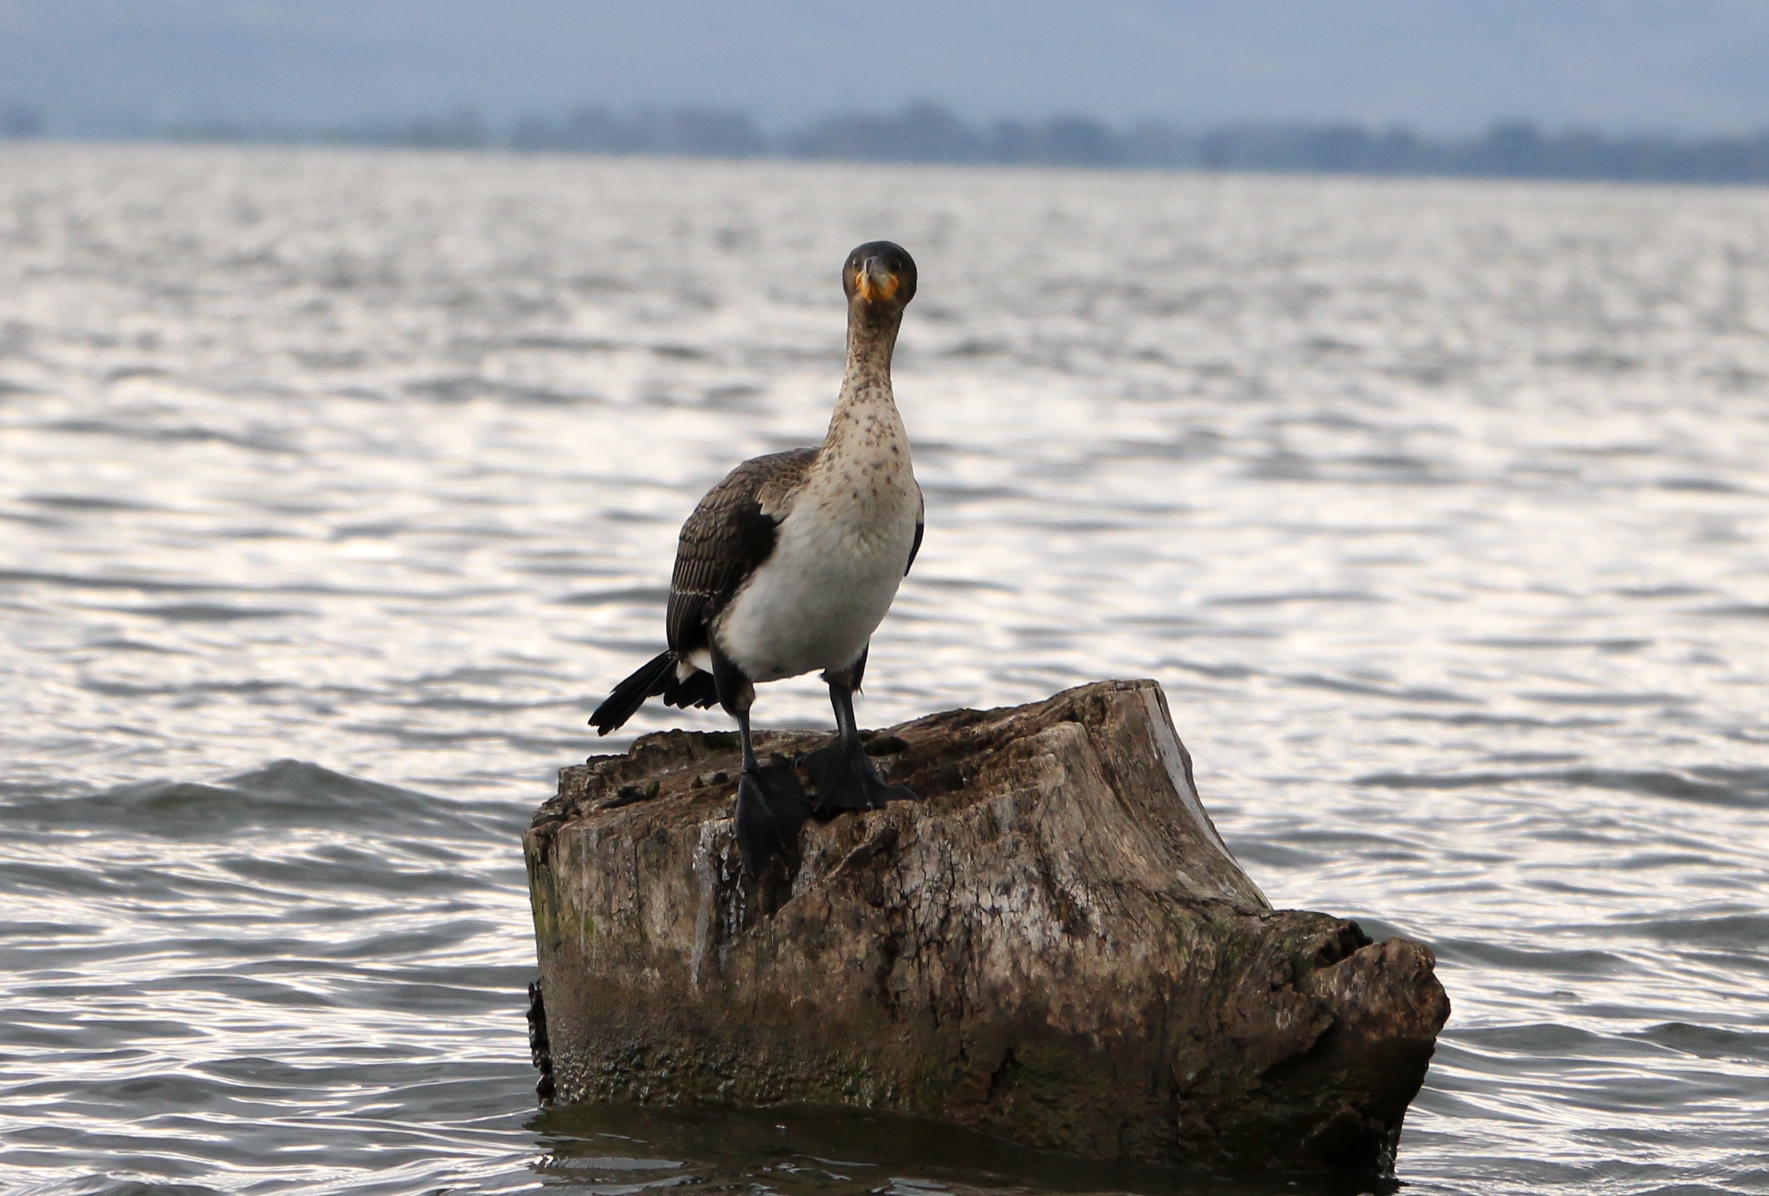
point(847, 780)
point(771, 808)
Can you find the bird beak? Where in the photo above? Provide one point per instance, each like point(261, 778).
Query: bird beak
point(874, 282)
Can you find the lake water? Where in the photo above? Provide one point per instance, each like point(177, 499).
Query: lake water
point(336, 488)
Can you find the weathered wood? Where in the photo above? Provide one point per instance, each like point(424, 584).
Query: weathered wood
point(1053, 944)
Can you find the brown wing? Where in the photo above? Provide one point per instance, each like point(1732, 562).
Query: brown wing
point(731, 532)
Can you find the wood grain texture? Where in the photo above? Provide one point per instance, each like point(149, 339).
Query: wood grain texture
point(1053, 944)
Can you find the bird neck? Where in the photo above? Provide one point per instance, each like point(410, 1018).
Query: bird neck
point(871, 340)
point(866, 407)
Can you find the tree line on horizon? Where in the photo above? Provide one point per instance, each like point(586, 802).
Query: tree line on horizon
point(927, 132)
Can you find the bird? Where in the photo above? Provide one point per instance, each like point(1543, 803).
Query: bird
point(788, 566)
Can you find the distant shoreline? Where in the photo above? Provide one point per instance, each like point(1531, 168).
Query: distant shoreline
point(929, 133)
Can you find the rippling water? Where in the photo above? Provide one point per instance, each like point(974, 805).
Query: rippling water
point(336, 489)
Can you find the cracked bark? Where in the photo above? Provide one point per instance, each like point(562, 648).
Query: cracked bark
point(1053, 944)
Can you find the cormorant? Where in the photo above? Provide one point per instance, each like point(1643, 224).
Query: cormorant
point(789, 565)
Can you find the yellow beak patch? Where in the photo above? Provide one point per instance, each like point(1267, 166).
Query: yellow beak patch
point(872, 287)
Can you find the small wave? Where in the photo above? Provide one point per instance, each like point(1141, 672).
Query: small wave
point(119, 644)
point(466, 388)
point(126, 689)
point(74, 581)
point(104, 1185)
point(1220, 672)
point(1746, 788)
point(565, 344)
point(284, 794)
point(977, 347)
point(1709, 1042)
point(1374, 690)
point(84, 502)
point(1607, 699)
point(1531, 643)
point(648, 595)
point(207, 612)
point(1294, 596)
point(1736, 610)
point(1749, 931)
point(1577, 962)
point(1476, 719)
point(1700, 485)
point(1540, 1040)
point(956, 494)
point(965, 584)
point(180, 435)
point(680, 352)
point(1665, 591)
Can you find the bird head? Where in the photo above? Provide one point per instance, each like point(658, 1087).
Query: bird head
point(879, 277)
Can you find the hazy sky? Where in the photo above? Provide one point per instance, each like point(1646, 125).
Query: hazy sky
point(1442, 65)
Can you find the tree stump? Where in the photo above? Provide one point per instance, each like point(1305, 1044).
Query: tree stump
point(1052, 944)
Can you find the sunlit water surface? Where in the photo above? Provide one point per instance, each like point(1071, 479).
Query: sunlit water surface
point(336, 488)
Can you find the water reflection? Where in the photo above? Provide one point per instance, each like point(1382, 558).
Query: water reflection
point(335, 488)
point(799, 1151)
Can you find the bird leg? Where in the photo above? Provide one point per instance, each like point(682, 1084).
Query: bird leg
point(771, 804)
point(844, 774)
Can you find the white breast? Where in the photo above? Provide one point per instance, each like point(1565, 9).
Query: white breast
point(839, 557)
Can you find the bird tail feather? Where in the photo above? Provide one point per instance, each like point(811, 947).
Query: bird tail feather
point(697, 690)
point(652, 678)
